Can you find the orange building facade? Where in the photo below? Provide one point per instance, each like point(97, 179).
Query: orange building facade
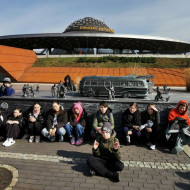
point(17, 64)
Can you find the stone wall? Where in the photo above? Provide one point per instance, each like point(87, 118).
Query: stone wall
point(91, 107)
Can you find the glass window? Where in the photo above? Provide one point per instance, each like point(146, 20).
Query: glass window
point(116, 83)
point(93, 83)
point(124, 84)
point(87, 83)
point(107, 83)
point(140, 83)
point(100, 83)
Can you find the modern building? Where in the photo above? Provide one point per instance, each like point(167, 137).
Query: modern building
point(89, 35)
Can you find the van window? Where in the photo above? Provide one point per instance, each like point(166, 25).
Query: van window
point(100, 83)
point(107, 83)
point(93, 83)
point(87, 83)
point(116, 83)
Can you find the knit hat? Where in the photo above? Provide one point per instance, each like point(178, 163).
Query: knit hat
point(7, 79)
point(107, 127)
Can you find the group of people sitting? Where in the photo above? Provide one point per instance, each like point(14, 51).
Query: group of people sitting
point(58, 122)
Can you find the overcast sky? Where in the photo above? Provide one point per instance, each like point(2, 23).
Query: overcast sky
point(165, 18)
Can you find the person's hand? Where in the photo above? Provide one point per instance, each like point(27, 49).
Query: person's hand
point(53, 132)
point(136, 128)
point(7, 85)
point(149, 130)
point(9, 122)
point(98, 129)
point(116, 145)
point(15, 122)
point(32, 119)
point(50, 132)
point(130, 133)
point(96, 144)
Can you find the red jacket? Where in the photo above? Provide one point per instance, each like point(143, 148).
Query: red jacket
point(174, 113)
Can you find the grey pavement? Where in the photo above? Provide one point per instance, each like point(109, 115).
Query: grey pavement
point(48, 166)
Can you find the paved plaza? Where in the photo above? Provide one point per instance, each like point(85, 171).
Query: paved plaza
point(49, 166)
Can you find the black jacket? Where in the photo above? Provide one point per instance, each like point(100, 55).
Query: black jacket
point(154, 117)
point(19, 119)
point(62, 119)
point(131, 119)
point(40, 119)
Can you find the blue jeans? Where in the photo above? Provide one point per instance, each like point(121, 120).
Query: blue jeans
point(135, 134)
point(61, 132)
point(77, 131)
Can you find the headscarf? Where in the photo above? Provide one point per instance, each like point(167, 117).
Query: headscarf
point(79, 107)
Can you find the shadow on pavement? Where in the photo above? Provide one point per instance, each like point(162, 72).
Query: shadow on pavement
point(79, 167)
point(183, 185)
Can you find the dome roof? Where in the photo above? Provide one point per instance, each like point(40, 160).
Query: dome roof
point(88, 24)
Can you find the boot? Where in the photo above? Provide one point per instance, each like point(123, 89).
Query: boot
point(113, 175)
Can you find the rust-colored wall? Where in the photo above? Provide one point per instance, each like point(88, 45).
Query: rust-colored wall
point(171, 77)
point(17, 63)
point(15, 60)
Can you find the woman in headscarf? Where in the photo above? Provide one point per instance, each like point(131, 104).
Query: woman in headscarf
point(76, 124)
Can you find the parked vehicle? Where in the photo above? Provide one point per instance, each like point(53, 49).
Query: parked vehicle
point(124, 86)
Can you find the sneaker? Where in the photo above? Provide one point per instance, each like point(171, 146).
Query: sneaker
point(5, 142)
point(79, 141)
point(37, 139)
point(92, 172)
point(10, 142)
point(31, 139)
point(73, 140)
point(25, 136)
point(128, 139)
point(52, 138)
point(152, 147)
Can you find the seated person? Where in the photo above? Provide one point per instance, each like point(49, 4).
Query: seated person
point(56, 120)
point(76, 124)
point(131, 121)
point(104, 114)
point(107, 156)
point(2, 125)
point(149, 129)
point(178, 132)
point(6, 89)
point(36, 122)
point(14, 125)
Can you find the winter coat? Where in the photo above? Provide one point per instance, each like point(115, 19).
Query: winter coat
point(82, 120)
point(100, 118)
point(154, 117)
point(19, 119)
point(174, 113)
point(6, 91)
point(62, 119)
point(40, 119)
point(105, 149)
point(131, 119)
